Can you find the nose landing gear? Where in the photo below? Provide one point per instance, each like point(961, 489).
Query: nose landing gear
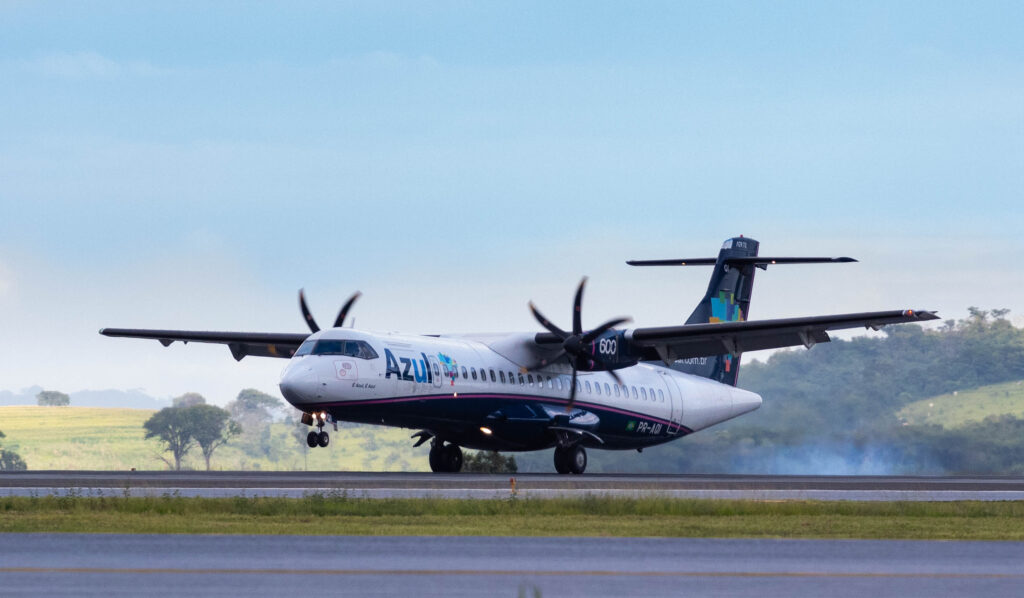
point(319, 437)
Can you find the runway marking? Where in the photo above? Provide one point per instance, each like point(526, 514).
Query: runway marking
point(471, 572)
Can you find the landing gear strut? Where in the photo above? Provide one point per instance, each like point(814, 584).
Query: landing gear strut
point(445, 458)
point(570, 459)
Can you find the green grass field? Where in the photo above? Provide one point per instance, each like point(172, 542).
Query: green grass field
point(113, 439)
point(590, 516)
point(952, 411)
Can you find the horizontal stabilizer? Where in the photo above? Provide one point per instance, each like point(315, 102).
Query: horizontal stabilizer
point(760, 262)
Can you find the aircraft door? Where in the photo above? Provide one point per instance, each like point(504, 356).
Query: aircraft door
point(437, 374)
point(676, 405)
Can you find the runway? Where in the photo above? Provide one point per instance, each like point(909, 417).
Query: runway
point(168, 565)
point(487, 486)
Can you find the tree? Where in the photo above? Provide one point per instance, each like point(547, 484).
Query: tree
point(211, 427)
point(10, 460)
point(254, 411)
point(489, 462)
point(188, 400)
point(252, 401)
point(52, 398)
point(172, 425)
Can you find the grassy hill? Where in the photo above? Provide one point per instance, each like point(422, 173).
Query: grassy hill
point(113, 438)
point(962, 407)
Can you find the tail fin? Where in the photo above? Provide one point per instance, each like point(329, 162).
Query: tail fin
point(728, 297)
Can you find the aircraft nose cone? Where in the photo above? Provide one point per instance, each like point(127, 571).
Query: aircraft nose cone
point(299, 385)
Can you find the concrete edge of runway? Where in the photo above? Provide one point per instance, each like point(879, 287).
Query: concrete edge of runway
point(497, 486)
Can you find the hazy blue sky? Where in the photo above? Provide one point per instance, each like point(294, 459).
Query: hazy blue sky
point(192, 165)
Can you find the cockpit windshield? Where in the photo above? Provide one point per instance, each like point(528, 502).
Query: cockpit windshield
point(359, 349)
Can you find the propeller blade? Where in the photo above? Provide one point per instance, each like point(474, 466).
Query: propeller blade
point(577, 305)
point(572, 392)
point(593, 334)
point(544, 362)
point(344, 309)
point(616, 376)
point(305, 312)
point(546, 323)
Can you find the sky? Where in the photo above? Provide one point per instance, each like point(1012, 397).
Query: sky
point(192, 165)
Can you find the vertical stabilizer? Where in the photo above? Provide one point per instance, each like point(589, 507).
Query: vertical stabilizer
point(726, 300)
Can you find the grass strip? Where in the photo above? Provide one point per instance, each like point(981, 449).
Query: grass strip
point(339, 513)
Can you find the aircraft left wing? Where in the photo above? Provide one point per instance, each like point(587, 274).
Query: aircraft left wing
point(241, 344)
point(670, 343)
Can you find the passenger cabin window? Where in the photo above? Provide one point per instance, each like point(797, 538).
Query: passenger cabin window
point(588, 386)
point(494, 378)
point(358, 349)
point(472, 372)
point(635, 395)
point(607, 389)
point(558, 382)
point(661, 396)
point(529, 378)
point(465, 374)
point(522, 381)
point(616, 387)
point(437, 372)
point(550, 384)
point(643, 393)
point(502, 376)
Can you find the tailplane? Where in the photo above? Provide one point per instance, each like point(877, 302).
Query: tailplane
point(728, 297)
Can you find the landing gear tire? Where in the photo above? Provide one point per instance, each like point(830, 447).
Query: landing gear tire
point(570, 459)
point(322, 439)
point(445, 458)
point(561, 460)
point(312, 439)
point(436, 465)
point(577, 459)
point(453, 458)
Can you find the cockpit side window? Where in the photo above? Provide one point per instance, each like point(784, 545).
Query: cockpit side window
point(358, 349)
point(305, 348)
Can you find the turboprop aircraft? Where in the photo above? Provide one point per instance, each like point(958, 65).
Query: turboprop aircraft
point(570, 389)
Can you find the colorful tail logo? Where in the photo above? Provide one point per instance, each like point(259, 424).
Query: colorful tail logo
point(724, 309)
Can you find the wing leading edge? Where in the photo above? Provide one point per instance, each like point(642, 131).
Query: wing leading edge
point(241, 344)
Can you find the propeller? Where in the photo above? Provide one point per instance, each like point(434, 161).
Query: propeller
point(338, 321)
point(573, 344)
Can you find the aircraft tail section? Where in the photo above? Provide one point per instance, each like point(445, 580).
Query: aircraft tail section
point(726, 300)
point(728, 297)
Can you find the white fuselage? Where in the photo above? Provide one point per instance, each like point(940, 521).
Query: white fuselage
point(409, 370)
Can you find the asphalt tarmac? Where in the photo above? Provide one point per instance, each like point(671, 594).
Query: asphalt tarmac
point(174, 565)
point(463, 485)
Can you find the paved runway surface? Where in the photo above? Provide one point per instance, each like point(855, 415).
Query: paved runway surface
point(413, 485)
point(155, 565)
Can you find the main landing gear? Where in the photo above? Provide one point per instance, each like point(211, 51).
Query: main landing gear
point(445, 458)
point(570, 459)
point(319, 437)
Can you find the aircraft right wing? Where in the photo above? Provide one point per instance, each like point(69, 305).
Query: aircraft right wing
point(241, 344)
point(670, 343)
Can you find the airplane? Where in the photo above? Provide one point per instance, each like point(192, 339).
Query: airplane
point(607, 387)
